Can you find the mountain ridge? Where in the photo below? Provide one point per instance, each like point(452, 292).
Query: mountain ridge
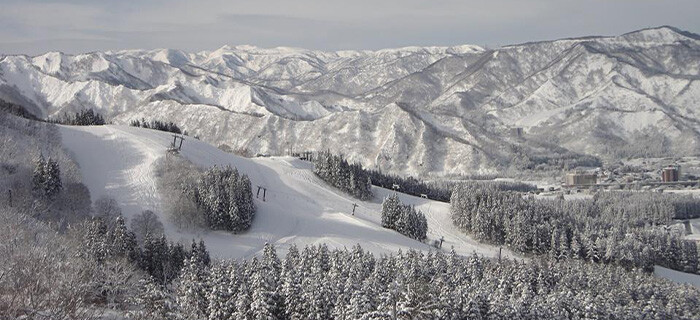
point(458, 106)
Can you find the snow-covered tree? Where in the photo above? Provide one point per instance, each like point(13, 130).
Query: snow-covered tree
point(192, 290)
point(146, 224)
point(403, 218)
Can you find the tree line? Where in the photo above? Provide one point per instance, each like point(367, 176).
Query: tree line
point(403, 218)
point(350, 178)
point(85, 117)
point(615, 228)
point(337, 171)
point(408, 185)
point(17, 110)
point(318, 283)
point(154, 254)
point(157, 125)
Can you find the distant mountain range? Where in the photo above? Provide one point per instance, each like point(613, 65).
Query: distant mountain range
point(416, 110)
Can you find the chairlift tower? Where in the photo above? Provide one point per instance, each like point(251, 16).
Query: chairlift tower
point(174, 146)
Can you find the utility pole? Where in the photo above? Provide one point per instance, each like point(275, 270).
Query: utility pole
point(354, 205)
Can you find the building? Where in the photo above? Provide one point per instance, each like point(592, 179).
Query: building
point(670, 174)
point(580, 179)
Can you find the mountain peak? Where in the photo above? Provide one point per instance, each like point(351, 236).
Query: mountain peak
point(661, 34)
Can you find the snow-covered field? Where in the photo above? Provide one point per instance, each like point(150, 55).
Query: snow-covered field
point(300, 208)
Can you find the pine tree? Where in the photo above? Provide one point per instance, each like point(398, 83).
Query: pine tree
point(123, 240)
point(267, 301)
point(291, 285)
point(390, 211)
point(95, 245)
point(243, 304)
point(154, 300)
point(39, 175)
point(52, 182)
point(192, 290)
point(220, 294)
point(360, 302)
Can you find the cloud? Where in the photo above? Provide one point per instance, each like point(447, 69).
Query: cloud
point(36, 26)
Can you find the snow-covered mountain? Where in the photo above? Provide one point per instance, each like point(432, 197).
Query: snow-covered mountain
point(418, 110)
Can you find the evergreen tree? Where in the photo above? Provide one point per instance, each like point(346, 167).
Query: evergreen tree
point(403, 218)
point(220, 294)
point(154, 300)
point(123, 240)
point(291, 285)
point(391, 211)
point(52, 182)
point(243, 304)
point(267, 301)
point(39, 175)
point(192, 290)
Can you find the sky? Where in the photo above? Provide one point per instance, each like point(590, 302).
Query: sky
point(73, 26)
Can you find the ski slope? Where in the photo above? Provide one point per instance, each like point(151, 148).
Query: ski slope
point(117, 161)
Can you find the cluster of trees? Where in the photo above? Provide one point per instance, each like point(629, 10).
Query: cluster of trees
point(525, 159)
point(625, 229)
point(157, 125)
point(403, 218)
point(318, 283)
point(46, 178)
point(85, 117)
point(47, 188)
point(350, 178)
point(105, 240)
point(219, 198)
point(43, 275)
point(410, 185)
point(336, 171)
point(441, 190)
point(17, 110)
point(75, 272)
point(499, 185)
point(225, 198)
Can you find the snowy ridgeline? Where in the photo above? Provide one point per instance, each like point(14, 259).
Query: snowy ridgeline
point(439, 111)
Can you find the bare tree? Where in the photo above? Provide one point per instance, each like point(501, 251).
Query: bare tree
point(107, 209)
point(41, 276)
point(146, 223)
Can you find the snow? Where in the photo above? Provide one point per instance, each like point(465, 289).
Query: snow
point(677, 276)
point(694, 229)
point(581, 96)
point(299, 208)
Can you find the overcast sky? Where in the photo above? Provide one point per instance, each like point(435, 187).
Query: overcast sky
point(37, 26)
